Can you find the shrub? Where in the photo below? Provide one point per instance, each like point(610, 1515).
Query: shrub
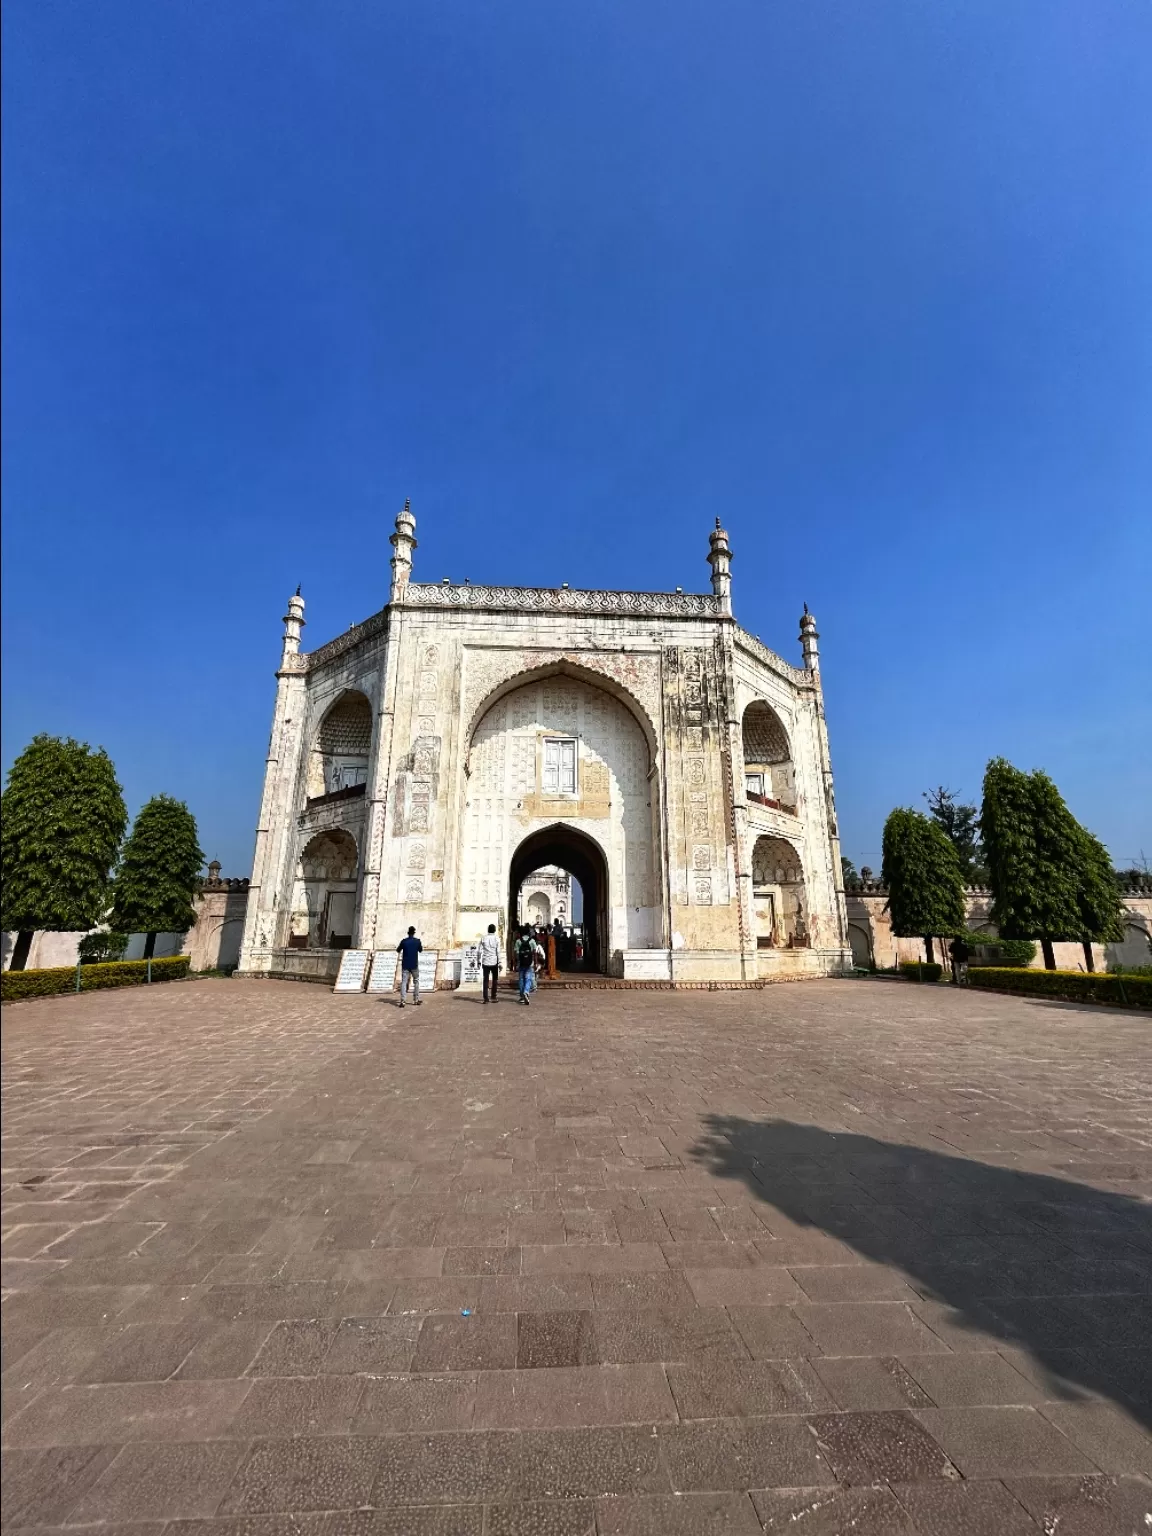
point(95, 948)
point(15, 985)
point(920, 970)
point(1070, 986)
point(1016, 952)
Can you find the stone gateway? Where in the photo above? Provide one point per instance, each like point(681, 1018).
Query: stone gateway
point(428, 761)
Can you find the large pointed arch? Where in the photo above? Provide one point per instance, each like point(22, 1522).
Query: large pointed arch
point(566, 666)
point(583, 857)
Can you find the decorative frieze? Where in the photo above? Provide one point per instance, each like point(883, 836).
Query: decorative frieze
point(672, 605)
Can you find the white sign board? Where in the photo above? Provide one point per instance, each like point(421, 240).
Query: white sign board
point(428, 958)
point(470, 965)
point(383, 977)
point(353, 971)
point(386, 971)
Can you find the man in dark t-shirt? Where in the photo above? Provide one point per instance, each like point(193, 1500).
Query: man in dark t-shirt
point(409, 951)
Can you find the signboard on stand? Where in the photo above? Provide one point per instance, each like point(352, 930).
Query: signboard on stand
point(385, 965)
point(353, 971)
point(428, 958)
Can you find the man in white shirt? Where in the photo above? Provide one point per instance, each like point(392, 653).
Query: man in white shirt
point(489, 947)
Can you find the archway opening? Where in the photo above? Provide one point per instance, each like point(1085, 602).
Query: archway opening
point(569, 852)
point(338, 762)
point(769, 776)
point(778, 895)
point(324, 902)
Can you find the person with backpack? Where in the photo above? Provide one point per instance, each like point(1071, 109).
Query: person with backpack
point(526, 952)
point(409, 951)
point(489, 949)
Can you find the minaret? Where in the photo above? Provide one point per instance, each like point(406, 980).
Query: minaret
point(720, 559)
point(809, 639)
point(403, 542)
point(293, 624)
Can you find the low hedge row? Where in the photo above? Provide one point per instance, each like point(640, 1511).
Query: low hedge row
point(15, 985)
point(921, 970)
point(1070, 986)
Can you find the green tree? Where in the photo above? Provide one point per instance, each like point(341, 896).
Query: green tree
point(63, 818)
point(960, 824)
point(922, 872)
point(158, 872)
point(848, 870)
point(1101, 908)
point(1040, 867)
point(100, 947)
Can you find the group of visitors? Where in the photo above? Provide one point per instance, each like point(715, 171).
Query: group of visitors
point(534, 953)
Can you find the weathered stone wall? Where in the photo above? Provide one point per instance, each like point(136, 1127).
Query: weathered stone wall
point(214, 941)
point(873, 942)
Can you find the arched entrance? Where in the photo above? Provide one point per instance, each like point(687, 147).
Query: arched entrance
point(324, 899)
point(584, 860)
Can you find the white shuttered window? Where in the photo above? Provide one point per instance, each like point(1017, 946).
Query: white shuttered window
point(559, 767)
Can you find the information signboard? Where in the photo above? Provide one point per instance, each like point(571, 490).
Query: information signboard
point(353, 971)
point(428, 958)
point(385, 965)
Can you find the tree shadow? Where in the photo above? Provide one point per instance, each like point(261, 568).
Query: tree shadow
point(1035, 1262)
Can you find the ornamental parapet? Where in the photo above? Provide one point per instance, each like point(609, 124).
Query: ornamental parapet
point(652, 605)
point(757, 648)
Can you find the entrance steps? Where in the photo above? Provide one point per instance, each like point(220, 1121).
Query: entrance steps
point(598, 983)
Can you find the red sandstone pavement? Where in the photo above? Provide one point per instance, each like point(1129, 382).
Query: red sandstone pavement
point(834, 1257)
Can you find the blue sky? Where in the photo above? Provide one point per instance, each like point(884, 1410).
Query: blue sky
point(873, 283)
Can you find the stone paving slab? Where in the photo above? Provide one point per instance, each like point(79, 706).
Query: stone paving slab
point(837, 1257)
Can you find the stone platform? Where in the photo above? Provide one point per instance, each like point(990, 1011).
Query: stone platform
point(842, 1257)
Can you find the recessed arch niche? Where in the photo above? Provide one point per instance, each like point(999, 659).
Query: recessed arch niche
point(769, 772)
point(341, 746)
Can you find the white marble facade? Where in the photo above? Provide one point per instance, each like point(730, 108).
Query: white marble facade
point(427, 760)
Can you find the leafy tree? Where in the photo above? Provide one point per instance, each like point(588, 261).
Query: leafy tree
point(848, 869)
point(1101, 909)
point(1051, 880)
point(63, 818)
point(98, 947)
point(922, 872)
point(158, 873)
point(960, 824)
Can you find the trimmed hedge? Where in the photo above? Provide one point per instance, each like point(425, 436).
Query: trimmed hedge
point(15, 985)
point(921, 970)
point(1070, 986)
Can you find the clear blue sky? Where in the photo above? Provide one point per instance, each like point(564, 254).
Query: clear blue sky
point(873, 282)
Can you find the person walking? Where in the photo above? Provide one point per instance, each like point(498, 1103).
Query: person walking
point(489, 948)
point(526, 951)
point(961, 954)
point(409, 951)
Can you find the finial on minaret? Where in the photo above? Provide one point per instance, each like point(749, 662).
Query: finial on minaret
point(720, 559)
point(809, 639)
point(403, 542)
point(293, 624)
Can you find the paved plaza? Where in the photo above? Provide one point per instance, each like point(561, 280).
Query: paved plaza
point(837, 1256)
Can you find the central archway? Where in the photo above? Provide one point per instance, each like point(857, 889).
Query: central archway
point(584, 860)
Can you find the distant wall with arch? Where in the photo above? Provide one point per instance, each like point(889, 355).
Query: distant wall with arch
point(870, 927)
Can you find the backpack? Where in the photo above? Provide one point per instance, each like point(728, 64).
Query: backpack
point(525, 952)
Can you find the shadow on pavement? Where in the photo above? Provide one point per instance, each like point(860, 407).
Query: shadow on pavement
point(1058, 1268)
